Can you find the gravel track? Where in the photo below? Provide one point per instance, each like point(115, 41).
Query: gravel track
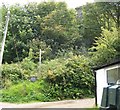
point(81, 103)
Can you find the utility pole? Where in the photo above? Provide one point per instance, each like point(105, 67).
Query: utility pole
point(4, 37)
point(39, 67)
point(3, 45)
point(40, 58)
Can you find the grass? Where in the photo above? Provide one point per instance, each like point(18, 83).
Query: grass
point(23, 92)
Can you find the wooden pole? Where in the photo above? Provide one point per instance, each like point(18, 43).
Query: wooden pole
point(40, 58)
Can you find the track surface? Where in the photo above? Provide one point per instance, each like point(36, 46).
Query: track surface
point(82, 103)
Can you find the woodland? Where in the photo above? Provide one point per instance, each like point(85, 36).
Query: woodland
point(73, 42)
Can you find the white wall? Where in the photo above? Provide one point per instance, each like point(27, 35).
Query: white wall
point(101, 83)
point(101, 80)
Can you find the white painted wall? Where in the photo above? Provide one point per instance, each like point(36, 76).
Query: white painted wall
point(101, 81)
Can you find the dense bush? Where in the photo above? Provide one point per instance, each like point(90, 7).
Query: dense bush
point(75, 79)
point(62, 78)
point(24, 92)
point(14, 73)
point(11, 73)
point(28, 67)
point(106, 48)
point(53, 66)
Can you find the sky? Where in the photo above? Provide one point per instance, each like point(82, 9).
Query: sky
point(70, 3)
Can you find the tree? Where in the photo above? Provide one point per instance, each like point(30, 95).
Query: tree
point(36, 45)
point(60, 29)
point(106, 47)
point(49, 23)
point(111, 11)
point(94, 16)
point(18, 33)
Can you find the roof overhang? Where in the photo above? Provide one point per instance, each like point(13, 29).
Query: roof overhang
point(107, 65)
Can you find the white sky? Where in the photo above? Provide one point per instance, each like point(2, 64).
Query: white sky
point(70, 3)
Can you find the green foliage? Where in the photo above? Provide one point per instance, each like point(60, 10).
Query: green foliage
point(62, 78)
point(106, 47)
point(11, 73)
point(54, 29)
point(49, 26)
point(36, 45)
point(74, 80)
point(93, 16)
point(14, 73)
point(110, 13)
point(60, 29)
point(27, 64)
point(24, 92)
point(53, 66)
point(28, 67)
point(89, 29)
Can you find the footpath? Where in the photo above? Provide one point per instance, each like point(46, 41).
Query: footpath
point(81, 103)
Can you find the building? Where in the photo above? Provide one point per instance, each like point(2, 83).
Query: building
point(106, 75)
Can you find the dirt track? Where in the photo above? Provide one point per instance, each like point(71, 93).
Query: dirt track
point(82, 103)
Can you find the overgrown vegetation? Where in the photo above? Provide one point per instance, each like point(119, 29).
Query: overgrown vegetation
point(71, 45)
point(59, 79)
point(106, 47)
point(24, 91)
point(74, 80)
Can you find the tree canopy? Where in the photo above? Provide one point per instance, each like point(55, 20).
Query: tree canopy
point(72, 45)
point(96, 16)
point(106, 48)
point(50, 24)
point(54, 28)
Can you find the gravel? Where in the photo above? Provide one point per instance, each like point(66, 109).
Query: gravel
point(81, 103)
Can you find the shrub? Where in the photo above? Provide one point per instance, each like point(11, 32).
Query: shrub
point(24, 92)
point(106, 48)
point(74, 81)
point(69, 78)
point(11, 73)
point(28, 67)
point(54, 66)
